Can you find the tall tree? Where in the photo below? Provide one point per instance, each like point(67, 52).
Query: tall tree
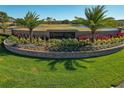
point(54, 21)
point(96, 18)
point(3, 21)
point(66, 21)
point(31, 21)
point(49, 19)
point(3, 16)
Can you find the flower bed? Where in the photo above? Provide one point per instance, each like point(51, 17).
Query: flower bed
point(57, 55)
point(65, 48)
point(67, 45)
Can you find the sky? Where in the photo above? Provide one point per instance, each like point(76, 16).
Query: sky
point(59, 12)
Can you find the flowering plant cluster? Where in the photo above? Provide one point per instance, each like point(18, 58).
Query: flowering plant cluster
point(103, 37)
point(19, 35)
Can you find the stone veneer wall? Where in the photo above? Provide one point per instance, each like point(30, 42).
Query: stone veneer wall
point(57, 55)
point(77, 33)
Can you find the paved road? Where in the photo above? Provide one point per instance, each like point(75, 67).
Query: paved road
point(121, 85)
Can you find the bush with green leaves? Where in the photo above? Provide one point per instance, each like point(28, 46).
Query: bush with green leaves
point(2, 38)
point(68, 45)
point(13, 39)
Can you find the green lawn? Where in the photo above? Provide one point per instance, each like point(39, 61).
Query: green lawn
point(45, 27)
point(19, 71)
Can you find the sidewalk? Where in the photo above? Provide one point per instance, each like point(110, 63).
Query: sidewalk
point(120, 85)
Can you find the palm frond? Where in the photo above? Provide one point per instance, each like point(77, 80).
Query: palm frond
point(96, 17)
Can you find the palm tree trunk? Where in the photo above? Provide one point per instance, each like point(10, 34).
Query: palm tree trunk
point(31, 35)
point(93, 36)
point(4, 30)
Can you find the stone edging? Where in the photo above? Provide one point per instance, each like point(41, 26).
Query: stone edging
point(59, 55)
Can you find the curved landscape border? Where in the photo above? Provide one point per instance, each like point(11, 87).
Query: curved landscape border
point(62, 55)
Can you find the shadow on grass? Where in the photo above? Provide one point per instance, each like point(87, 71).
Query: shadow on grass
point(3, 51)
point(69, 64)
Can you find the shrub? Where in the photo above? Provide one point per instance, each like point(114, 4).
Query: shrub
point(3, 37)
point(67, 45)
point(14, 39)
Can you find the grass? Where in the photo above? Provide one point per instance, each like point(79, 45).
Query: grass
point(22, 71)
point(45, 27)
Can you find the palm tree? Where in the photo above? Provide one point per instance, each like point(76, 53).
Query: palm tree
point(4, 26)
point(54, 21)
point(31, 21)
point(95, 19)
point(3, 21)
point(3, 16)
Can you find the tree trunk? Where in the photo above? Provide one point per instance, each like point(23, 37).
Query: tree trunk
point(31, 35)
point(93, 36)
point(4, 30)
